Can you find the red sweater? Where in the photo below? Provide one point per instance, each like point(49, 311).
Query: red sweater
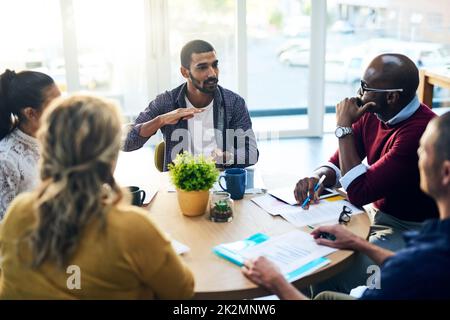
point(392, 181)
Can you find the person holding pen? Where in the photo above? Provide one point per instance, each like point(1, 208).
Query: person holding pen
point(418, 271)
point(383, 124)
point(316, 188)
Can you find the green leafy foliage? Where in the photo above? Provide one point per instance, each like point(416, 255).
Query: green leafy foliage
point(191, 173)
point(222, 206)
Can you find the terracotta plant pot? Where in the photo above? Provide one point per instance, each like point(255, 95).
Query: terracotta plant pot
point(193, 203)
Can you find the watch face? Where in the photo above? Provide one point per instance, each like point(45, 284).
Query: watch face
point(339, 132)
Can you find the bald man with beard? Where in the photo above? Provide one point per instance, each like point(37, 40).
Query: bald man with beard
point(383, 124)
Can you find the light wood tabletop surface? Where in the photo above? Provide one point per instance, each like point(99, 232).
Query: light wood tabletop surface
point(216, 278)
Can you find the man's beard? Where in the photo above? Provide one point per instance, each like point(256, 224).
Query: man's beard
point(209, 85)
point(379, 109)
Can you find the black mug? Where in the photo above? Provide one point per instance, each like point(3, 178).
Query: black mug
point(137, 196)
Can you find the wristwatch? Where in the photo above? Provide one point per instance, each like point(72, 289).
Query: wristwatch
point(341, 132)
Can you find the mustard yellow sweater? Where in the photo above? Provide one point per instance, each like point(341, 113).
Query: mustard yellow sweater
point(131, 259)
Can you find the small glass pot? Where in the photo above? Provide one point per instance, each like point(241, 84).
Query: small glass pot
point(221, 207)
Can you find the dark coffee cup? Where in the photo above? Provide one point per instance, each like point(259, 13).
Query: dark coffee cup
point(235, 180)
point(137, 196)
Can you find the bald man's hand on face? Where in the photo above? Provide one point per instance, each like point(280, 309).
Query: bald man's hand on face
point(348, 112)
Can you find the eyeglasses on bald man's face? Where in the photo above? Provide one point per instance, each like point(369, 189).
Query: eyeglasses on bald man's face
point(365, 88)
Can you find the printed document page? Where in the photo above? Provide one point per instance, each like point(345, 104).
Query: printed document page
point(292, 251)
point(326, 210)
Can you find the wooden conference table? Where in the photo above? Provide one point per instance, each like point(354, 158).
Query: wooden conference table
point(216, 278)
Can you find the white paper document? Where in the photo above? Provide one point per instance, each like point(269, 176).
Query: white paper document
point(284, 194)
point(295, 253)
point(324, 211)
point(269, 204)
point(179, 247)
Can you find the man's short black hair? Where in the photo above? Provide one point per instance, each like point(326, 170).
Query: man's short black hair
point(194, 46)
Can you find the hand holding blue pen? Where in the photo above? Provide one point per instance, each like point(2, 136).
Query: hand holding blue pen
point(316, 187)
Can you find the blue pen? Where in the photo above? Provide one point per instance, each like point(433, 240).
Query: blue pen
point(316, 187)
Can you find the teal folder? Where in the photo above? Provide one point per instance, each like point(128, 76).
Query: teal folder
point(232, 252)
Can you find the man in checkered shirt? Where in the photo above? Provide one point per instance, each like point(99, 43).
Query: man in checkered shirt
point(199, 116)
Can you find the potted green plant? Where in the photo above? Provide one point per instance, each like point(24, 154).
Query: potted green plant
point(221, 209)
point(193, 177)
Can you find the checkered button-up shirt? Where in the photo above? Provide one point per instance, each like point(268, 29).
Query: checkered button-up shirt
point(232, 123)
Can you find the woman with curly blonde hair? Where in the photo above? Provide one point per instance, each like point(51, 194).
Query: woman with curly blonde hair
point(78, 222)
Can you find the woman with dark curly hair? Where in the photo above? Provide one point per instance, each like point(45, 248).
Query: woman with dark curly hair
point(23, 97)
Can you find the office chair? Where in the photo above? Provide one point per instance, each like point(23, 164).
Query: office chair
point(160, 151)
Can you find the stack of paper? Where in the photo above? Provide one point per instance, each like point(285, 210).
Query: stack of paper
point(295, 253)
point(324, 211)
